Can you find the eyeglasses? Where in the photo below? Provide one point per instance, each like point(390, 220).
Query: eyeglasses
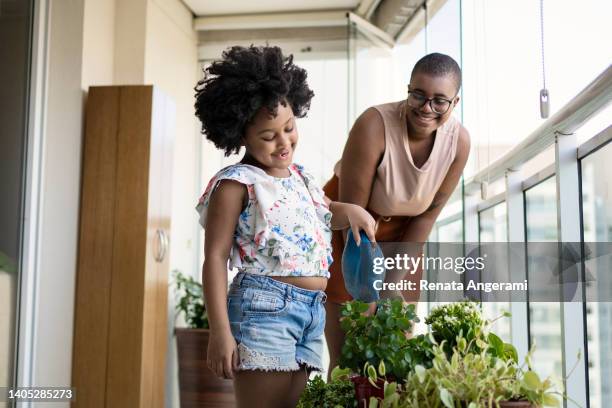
point(437, 104)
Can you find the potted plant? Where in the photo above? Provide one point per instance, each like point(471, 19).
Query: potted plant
point(464, 319)
point(199, 386)
point(338, 392)
point(380, 338)
point(479, 372)
point(473, 380)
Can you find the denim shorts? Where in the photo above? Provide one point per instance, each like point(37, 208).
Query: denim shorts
point(277, 326)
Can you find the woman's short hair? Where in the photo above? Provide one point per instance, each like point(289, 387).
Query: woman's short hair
point(436, 64)
point(243, 81)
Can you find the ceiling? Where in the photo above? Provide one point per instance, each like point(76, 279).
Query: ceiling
point(392, 21)
point(217, 7)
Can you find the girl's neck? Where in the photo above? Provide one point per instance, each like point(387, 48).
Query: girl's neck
point(270, 171)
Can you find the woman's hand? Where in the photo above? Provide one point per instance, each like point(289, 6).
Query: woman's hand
point(222, 357)
point(357, 218)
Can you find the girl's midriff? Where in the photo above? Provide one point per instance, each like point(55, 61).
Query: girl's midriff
point(304, 282)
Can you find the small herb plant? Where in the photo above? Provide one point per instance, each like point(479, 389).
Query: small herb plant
point(449, 321)
point(382, 337)
point(463, 319)
point(190, 300)
point(338, 393)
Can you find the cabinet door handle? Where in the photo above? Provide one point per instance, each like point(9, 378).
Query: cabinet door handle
point(162, 247)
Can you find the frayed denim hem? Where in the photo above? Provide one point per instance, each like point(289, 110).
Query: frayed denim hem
point(255, 360)
point(269, 369)
point(309, 366)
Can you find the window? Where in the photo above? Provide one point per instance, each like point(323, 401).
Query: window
point(493, 229)
point(597, 221)
point(544, 317)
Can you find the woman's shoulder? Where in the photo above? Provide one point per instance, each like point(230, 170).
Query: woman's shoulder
point(389, 106)
point(459, 137)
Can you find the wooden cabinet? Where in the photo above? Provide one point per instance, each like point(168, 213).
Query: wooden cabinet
point(120, 336)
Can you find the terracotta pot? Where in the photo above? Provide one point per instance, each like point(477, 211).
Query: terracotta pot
point(199, 387)
point(364, 390)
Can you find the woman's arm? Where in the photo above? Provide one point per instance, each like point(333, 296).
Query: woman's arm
point(419, 227)
point(362, 154)
point(223, 212)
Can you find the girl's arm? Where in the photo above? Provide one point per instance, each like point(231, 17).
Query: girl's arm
point(223, 211)
point(347, 215)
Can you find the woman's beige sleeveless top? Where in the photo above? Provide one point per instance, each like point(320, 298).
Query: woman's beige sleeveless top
point(400, 188)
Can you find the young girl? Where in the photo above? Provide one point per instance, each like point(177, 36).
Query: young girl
point(270, 219)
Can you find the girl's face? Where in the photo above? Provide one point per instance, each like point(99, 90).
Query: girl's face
point(419, 114)
point(270, 141)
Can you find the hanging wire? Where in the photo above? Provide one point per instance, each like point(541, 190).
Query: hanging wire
point(544, 95)
point(485, 184)
point(426, 24)
point(542, 43)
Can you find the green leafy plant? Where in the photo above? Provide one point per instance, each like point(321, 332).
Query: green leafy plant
point(447, 322)
point(541, 393)
point(464, 319)
point(382, 337)
point(190, 300)
point(471, 380)
point(338, 393)
point(391, 390)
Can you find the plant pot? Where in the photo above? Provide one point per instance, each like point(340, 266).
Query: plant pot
point(198, 385)
point(515, 404)
point(505, 404)
point(364, 390)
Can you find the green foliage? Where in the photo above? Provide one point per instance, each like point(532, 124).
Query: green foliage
point(463, 319)
point(460, 364)
point(470, 377)
point(190, 300)
point(472, 380)
point(6, 263)
point(447, 322)
point(338, 393)
point(382, 337)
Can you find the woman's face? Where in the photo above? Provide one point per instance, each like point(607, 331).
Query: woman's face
point(423, 119)
point(270, 140)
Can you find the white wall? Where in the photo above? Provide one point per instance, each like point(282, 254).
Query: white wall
point(98, 43)
point(47, 314)
point(171, 64)
point(101, 42)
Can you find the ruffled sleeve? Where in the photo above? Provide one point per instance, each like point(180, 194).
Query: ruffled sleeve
point(240, 173)
point(261, 190)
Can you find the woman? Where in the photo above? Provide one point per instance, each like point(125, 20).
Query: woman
point(402, 161)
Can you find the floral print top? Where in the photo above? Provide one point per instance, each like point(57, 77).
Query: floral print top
point(285, 229)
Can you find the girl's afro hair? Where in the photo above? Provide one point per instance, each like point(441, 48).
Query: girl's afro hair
point(243, 81)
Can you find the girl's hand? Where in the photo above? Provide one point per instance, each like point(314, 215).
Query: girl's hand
point(222, 356)
point(360, 219)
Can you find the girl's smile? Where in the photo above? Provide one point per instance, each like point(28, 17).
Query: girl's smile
point(270, 140)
